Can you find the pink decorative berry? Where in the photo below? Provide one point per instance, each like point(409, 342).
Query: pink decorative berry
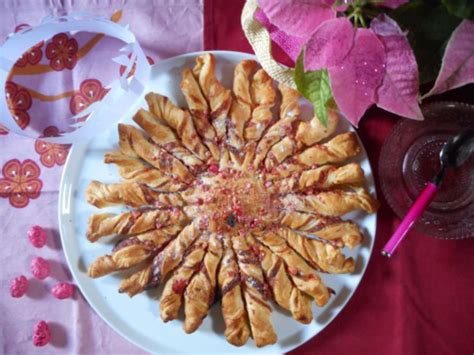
point(214, 168)
point(62, 290)
point(37, 236)
point(41, 334)
point(18, 286)
point(40, 268)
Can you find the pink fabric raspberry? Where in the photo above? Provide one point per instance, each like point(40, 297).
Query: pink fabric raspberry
point(40, 268)
point(62, 290)
point(41, 334)
point(18, 286)
point(37, 236)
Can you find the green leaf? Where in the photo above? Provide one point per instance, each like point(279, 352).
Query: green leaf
point(429, 26)
point(315, 87)
point(460, 8)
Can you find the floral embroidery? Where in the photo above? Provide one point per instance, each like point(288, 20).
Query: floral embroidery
point(123, 67)
point(62, 52)
point(20, 182)
point(19, 102)
point(90, 91)
point(50, 153)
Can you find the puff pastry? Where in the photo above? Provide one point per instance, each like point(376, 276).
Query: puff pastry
point(226, 194)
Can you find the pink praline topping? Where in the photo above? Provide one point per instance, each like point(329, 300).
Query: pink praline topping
point(37, 236)
point(40, 268)
point(18, 286)
point(41, 334)
point(62, 290)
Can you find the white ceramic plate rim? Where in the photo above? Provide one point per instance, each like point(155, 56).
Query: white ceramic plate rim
point(65, 214)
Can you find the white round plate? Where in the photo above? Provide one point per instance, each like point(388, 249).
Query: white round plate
point(137, 318)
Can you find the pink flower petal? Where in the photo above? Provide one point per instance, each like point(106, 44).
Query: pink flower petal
point(399, 90)
point(393, 4)
point(291, 45)
point(298, 17)
point(457, 68)
point(329, 44)
point(355, 81)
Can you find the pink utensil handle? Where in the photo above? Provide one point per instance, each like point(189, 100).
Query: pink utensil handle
point(411, 217)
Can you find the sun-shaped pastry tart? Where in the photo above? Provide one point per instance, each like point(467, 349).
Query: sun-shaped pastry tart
point(229, 201)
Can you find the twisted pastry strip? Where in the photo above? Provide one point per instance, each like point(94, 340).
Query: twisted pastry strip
point(171, 255)
point(303, 276)
point(256, 293)
point(323, 177)
point(319, 255)
point(128, 223)
point(128, 253)
point(332, 203)
point(237, 329)
point(314, 131)
point(328, 176)
point(338, 232)
point(218, 97)
point(200, 111)
point(137, 282)
point(289, 112)
point(199, 294)
point(133, 143)
point(134, 169)
point(130, 194)
point(284, 293)
point(180, 120)
point(338, 149)
point(263, 95)
point(241, 109)
point(172, 296)
point(279, 152)
point(164, 136)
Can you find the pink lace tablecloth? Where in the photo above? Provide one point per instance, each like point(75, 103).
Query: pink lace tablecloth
point(31, 170)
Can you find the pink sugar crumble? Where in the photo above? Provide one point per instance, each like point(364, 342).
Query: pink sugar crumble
point(41, 334)
point(18, 286)
point(37, 236)
point(62, 290)
point(40, 268)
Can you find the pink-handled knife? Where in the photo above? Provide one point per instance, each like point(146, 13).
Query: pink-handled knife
point(454, 153)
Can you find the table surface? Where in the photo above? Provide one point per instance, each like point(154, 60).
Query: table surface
point(418, 302)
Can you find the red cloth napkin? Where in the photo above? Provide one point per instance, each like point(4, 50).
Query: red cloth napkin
point(420, 301)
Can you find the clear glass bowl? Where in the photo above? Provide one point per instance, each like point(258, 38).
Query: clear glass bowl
point(410, 158)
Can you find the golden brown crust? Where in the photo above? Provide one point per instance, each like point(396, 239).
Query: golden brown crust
point(319, 255)
point(130, 194)
point(137, 282)
point(332, 203)
point(123, 258)
point(163, 135)
point(314, 131)
point(279, 152)
point(255, 293)
point(129, 223)
point(241, 109)
point(338, 232)
point(218, 97)
point(303, 276)
point(181, 122)
point(200, 111)
point(281, 285)
point(134, 169)
point(172, 254)
point(199, 294)
point(263, 95)
point(237, 330)
point(133, 142)
point(328, 176)
point(172, 296)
